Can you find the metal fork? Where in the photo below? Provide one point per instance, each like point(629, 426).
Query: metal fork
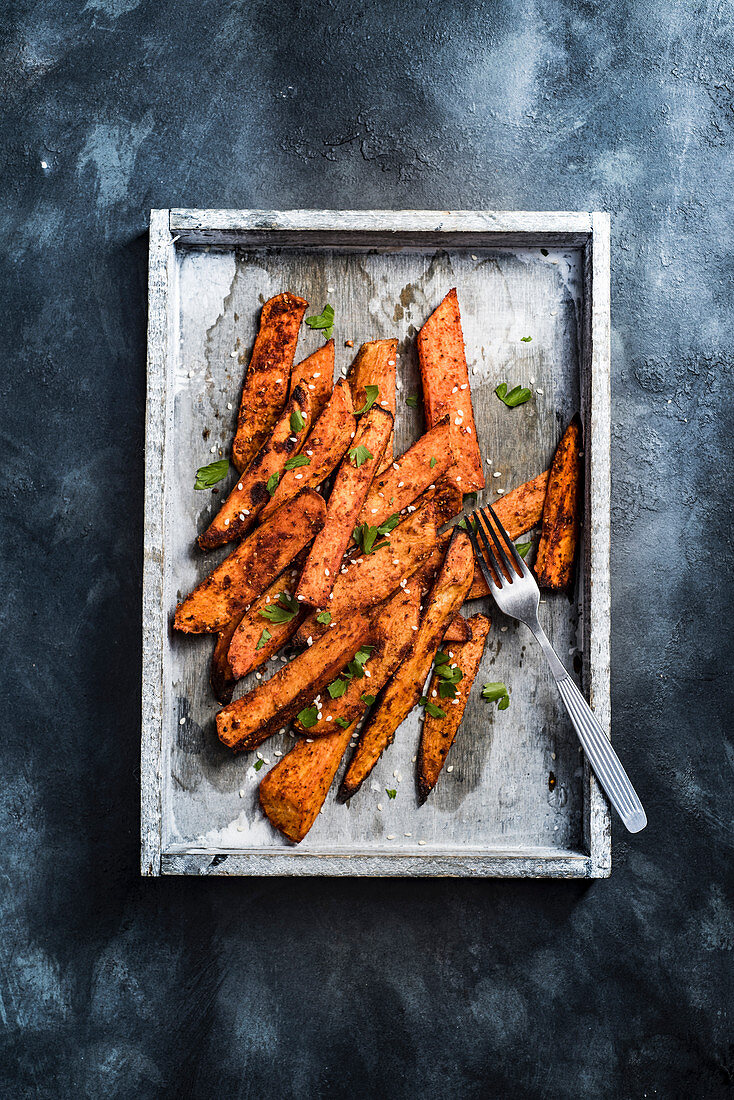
point(516, 593)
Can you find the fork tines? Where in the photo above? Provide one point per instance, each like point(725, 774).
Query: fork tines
point(486, 527)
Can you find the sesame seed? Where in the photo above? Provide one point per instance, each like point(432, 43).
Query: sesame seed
point(497, 473)
point(311, 386)
point(450, 768)
point(454, 702)
point(233, 355)
point(309, 640)
point(226, 523)
point(329, 718)
point(395, 466)
point(401, 484)
point(242, 515)
point(458, 477)
point(500, 491)
point(421, 842)
point(298, 477)
point(434, 693)
point(458, 420)
point(242, 794)
point(473, 256)
point(239, 488)
point(379, 806)
point(309, 740)
point(278, 379)
point(431, 486)
point(391, 836)
point(258, 675)
point(539, 391)
point(391, 362)
point(489, 461)
point(213, 450)
point(293, 438)
point(396, 561)
point(331, 595)
point(240, 828)
point(375, 511)
point(309, 452)
point(532, 381)
point(415, 628)
point(316, 374)
point(182, 721)
point(229, 404)
point(464, 386)
point(299, 597)
point(455, 389)
point(246, 511)
point(408, 834)
point(260, 756)
point(277, 753)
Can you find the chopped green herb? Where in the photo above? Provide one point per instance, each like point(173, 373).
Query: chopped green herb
point(297, 421)
point(272, 483)
point(517, 396)
point(360, 454)
point(324, 617)
point(264, 637)
point(296, 461)
point(308, 717)
point(323, 321)
point(336, 688)
point(258, 764)
point(206, 476)
point(355, 668)
point(365, 535)
point(277, 613)
point(433, 711)
point(433, 462)
point(389, 793)
point(522, 548)
point(368, 699)
point(526, 339)
point(447, 690)
point(412, 400)
point(371, 393)
point(342, 722)
point(496, 692)
point(441, 658)
point(423, 700)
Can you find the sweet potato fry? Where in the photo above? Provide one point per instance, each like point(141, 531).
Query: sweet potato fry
point(374, 365)
point(409, 475)
point(518, 511)
point(316, 373)
point(449, 497)
point(221, 677)
point(325, 446)
point(259, 634)
point(393, 634)
point(561, 512)
point(293, 792)
point(403, 691)
point(438, 733)
point(265, 388)
point(345, 502)
point(373, 577)
point(249, 496)
point(250, 720)
point(458, 629)
point(252, 566)
point(446, 387)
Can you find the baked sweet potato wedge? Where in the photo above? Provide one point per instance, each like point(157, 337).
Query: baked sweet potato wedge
point(439, 732)
point(561, 512)
point(343, 701)
point(250, 494)
point(458, 629)
point(221, 677)
point(325, 446)
point(268, 624)
point(316, 373)
point(375, 365)
point(250, 720)
point(352, 481)
point(293, 792)
point(519, 510)
point(403, 691)
point(446, 387)
point(265, 388)
point(409, 475)
point(449, 497)
point(252, 566)
point(370, 578)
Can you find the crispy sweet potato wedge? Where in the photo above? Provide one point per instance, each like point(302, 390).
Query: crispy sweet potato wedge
point(458, 629)
point(250, 647)
point(316, 373)
point(373, 577)
point(518, 511)
point(249, 496)
point(352, 481)
point(325, 446)
point(293, 792)
point(393, 634)
point(449, 497)
point(409, 475)
point(437, 735)
point(265, 388)
point(403, 691)
point(252, 566)
point(561, 512)
point(250, 720)
point(446, 387)
point(374, 365)
point(221, 677)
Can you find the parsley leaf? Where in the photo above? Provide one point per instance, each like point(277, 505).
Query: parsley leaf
point(342, 722)
point(447, 690)
point(496, 693)
point(368, 699)
point(526, 339)
point(323, 321)
point(365, 536)
point(371, 393)
point(441, 658)
point(324, 617)
point(277, 613)
point(433, 462)
point(296, 461)
point(206, 476)
point(272, 483)
point(264, 637)
point(297, 421)
point(412, 400)
point(359, 455)
point(258, 764)
point(389, 793)
point(522, 548)
point(336, 688)
point(517, 396)
point(433, 711)
point(308, 717)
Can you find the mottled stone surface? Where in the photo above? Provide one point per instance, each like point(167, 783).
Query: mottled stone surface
point(113, 987)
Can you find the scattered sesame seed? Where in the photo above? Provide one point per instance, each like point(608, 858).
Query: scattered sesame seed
point(454, 702)
point(458, 420)
point(309, 740)
point(213, 450)
point(497, 473)
point(458, 477)
point(182, 721)
point(415, 628)
point(391, 836)
point(260, 756)
point(401, 484)
point(309, 452)
point(233, 355)
point(298, 477)
point(395, 466)
point(407, 834)
point(226, 523)
point(500, 491)
point(455, 389)
point(450, 768)
point(489, 461)
point(434, 693)
point(391, 362)
point(463, 386)
point(375, 511)
point(242, 515)
point(240, 828)
point(229, 404)
point(431, 486)
point(242, 794)
point(311, 386)
point(532, 381)
point(473, 256)
point(326, 573)
point(421, 842)
point(277, 752)
point(258, 675)
point(539, 391)
point(316, 374)
point(299, 597)
point(379, 806)
point(309, 640)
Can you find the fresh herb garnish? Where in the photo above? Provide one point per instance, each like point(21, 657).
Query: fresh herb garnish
point(258, 764)
point(389, 793)
point(323, 321)
point(324, 617)
point(365, 536)
point(264, 637)
point(355, 668)
point(522, 548)
point(336, 688)
point(360, 454)
point(296, 461)
point(526, 339)
point(370, 393)
point(368, 699)
point(430, 708)
point(517, 396)
point(448, 677)
point(308, 717)
point(284, 610)
point(206, 476)
point(497, 693)
point(272, 483)
point(297, 421)
point(342, 722)
point(433, 462)
point(412, 400)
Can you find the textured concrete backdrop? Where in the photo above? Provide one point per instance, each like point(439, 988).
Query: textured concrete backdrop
point(114, 987)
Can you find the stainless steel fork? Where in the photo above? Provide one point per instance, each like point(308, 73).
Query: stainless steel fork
point(516, 593)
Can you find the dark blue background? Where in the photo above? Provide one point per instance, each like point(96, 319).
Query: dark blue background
point(116, 987)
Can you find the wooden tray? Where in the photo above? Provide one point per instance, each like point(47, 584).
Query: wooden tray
point(519, 800)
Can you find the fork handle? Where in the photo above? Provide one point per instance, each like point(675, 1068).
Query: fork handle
point(603, 759)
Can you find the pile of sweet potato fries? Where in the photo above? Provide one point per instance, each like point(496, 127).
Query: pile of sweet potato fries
point(339, 549)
